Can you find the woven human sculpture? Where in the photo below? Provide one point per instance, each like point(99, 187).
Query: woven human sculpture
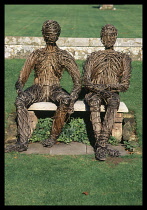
point(48, 64)
point(106, 73)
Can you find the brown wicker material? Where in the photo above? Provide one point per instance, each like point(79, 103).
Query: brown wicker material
point(48, 64)
point(106, 73)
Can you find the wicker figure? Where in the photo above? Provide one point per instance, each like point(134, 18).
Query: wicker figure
point(106, 73)
point(48, 64)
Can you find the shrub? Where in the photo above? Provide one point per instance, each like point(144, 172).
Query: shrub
point(42, 130)
point(75, 130)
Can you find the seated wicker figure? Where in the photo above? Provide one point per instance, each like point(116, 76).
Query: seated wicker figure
point(106, 73)
point(48, 64)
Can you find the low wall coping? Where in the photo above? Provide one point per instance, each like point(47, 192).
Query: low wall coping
point(71, 42)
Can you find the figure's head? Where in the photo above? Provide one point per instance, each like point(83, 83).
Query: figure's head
point(108, 35)
point(51, 31)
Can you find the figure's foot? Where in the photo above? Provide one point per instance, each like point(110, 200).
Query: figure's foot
point(102, 152)
point(113, 153)
point(16, 148)
point(48, 142)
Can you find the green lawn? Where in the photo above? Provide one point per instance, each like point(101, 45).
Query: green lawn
point(75, 20)
point(133, 97)
point(61, 180)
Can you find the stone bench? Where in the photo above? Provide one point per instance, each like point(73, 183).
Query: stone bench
point(80, 106)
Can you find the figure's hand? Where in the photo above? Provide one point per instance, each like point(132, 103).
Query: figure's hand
point(20, 92)
point(103, 87)
point(18, 87)
point(96, 88)
point(69, 103)
point(66, 100)
point(105, 94)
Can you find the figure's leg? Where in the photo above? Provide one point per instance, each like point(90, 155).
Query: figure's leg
point(60, 117)
point(94, 101)
point(23, 101)
point(111, 109)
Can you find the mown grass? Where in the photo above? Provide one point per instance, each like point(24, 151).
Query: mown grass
point(133, 97)
point(75, 20)
point(62, 180)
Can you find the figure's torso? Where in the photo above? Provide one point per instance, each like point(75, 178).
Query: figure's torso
point(48, 70)
point(107, 67)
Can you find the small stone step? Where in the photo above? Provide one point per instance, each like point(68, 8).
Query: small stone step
point(73, 148)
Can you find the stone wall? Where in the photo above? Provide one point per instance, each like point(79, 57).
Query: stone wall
point(21, 47)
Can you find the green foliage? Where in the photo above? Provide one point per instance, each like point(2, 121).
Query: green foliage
point(113, 141)
point(129, 146)
point(75, 130)
point(42, 130)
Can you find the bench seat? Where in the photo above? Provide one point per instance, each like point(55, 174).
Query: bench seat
point(80, 106)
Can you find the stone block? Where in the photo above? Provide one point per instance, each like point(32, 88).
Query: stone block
point(107, 7)
point(74, 148)
point(33, 120)
point(119, 117)
point(11, 129)
point(20, 47)
point(129, 129)
point(117, 131)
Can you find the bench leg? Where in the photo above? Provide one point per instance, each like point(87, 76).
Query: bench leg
point(117, 127)
point(33, 121)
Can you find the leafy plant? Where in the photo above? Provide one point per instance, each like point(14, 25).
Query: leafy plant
point(42, 130)
point(129, 146)
point(75, 130)
point(113, 141)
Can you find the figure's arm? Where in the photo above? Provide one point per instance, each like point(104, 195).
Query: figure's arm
point(25, 72)
point(70, 65)
point(121, 87)
point(125, 78)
